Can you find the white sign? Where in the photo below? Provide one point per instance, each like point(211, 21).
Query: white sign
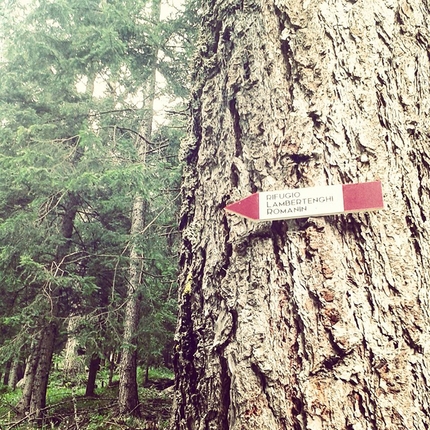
point(301, 202)
point(308, 202)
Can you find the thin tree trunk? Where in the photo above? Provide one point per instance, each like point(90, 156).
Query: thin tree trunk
point(316, 323)
point(147, 373)
point(73, 363)
point(7, 372)
point(23, 405)
point(112, 365)
point(36, 381)
point(47, 341)
point(92, 375)
point(15, 372)
point(128, 392)
point(40, 384)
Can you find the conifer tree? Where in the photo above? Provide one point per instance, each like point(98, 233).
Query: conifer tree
point(74, 74)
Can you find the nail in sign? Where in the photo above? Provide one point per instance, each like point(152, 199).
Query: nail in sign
point(310, 202)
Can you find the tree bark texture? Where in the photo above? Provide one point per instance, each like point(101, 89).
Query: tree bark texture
point(318, 323)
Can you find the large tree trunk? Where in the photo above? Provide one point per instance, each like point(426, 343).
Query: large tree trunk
point(313, 323)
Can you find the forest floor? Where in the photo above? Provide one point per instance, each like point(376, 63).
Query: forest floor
point(68, 409)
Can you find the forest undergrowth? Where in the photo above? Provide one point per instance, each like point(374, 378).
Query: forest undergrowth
point(67, 407)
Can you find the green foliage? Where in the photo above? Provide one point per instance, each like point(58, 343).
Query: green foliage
point(66, 404)
point(75, 75)
point(157, 373)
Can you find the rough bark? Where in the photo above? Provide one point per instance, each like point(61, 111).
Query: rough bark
point(313, 323)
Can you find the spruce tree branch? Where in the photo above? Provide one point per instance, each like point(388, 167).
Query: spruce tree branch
point(128, 243)
point(49, 205)
point(120, 128)
point(113, 111)
point(143, 231)
point(184, 112)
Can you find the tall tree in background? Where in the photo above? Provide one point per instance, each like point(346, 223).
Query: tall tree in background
point(128, 395)
point(312, 323)
point(71, 74)
point(31, 128)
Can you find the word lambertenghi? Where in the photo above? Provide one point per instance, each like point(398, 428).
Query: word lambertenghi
point(313, 201)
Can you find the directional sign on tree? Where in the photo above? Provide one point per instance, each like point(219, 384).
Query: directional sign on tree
point(310, 202)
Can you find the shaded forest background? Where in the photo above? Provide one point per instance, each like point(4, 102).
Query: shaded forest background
point(82, 81)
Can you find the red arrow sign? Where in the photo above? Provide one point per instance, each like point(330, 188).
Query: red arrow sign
point(307, 202)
